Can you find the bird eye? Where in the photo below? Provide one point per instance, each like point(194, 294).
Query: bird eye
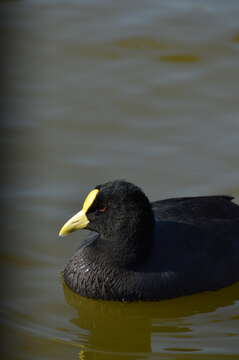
point(103, 209)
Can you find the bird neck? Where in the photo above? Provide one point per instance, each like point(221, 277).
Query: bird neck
point(130, 245)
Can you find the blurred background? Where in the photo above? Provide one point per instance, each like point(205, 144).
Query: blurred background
point(92, 91)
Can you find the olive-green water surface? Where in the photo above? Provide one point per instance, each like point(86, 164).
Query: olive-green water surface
point(98, 90)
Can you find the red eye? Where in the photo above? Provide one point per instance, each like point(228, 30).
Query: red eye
point(103, 209)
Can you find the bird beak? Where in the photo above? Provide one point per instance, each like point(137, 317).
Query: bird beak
point(79, 220)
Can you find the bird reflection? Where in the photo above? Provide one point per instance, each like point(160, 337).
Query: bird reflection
point(118, 330)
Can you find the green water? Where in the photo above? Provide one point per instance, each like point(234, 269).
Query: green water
point(93, 91)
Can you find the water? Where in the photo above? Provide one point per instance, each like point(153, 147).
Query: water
point(98, 90)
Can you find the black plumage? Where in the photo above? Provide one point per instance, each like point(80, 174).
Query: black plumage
point(153, 251)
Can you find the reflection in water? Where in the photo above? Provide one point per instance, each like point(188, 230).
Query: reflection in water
point(116, 329)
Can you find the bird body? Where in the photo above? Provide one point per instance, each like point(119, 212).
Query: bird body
point(154, 251)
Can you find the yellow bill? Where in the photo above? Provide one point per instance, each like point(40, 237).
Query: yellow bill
point(79, 220)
